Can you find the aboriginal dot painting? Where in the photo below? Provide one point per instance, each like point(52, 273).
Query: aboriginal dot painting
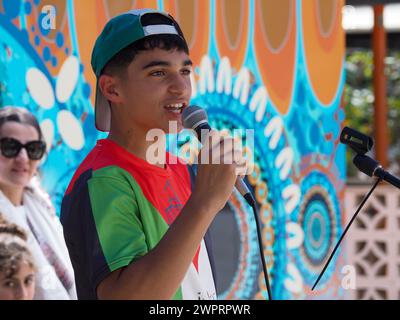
point(276, 67)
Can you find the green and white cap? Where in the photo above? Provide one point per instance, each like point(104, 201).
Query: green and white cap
point(120, 32)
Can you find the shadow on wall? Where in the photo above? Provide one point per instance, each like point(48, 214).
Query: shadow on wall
point(226, 247)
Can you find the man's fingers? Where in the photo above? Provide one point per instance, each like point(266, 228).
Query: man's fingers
point(218, 149)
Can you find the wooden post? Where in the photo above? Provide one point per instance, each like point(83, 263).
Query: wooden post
point(380, 108)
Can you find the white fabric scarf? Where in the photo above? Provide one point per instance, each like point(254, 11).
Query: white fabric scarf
point(55, 276)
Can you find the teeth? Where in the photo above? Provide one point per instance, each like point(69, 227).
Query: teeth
point(175, 106)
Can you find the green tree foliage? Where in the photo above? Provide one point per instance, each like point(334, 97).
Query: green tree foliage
point(359, 99)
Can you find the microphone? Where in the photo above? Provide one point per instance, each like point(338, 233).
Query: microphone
point(196, 118)
point(361, 144)
point(372, 168)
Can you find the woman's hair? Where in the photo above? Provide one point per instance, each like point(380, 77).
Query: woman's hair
point(20, 115)
point(13, 248)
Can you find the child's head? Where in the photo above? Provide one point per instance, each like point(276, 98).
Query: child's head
point(141, 60)
point(17, 267)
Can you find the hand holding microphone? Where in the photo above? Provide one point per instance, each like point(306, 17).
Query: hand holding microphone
point(216, 178)
point(220, 160)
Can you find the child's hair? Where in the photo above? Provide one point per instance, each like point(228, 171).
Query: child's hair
point(11, 229)
point(118, 64)
point(13, 248)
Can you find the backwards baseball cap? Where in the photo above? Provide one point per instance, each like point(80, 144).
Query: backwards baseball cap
point(120, 32)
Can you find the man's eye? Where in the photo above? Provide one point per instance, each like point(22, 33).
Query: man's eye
point(157, 73)
point(186, 72)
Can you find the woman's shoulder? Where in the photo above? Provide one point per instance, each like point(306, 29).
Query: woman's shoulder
point(35, 192)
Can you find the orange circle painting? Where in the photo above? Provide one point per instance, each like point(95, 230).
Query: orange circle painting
point(232, 28)
point(323, 40)
point(275, 41)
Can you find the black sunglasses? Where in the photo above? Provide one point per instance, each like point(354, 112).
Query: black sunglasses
point(10, 148)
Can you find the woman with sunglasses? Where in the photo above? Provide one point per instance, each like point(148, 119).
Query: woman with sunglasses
point(24, 202)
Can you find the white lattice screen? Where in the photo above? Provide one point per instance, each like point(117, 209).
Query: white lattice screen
point(373, 242)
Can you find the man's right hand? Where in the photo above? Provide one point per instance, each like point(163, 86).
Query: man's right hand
point(220, 162)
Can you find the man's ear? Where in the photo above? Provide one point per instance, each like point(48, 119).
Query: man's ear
point(110, 89)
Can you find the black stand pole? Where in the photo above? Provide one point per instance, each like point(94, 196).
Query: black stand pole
point(252, 202)
point(345, 231)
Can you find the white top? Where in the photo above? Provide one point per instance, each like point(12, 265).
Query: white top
point(54, 277)
point(199, 284)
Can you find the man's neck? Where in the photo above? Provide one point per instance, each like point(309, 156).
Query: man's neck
point(134, 141)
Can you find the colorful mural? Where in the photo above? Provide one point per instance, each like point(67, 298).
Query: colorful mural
point(272, 66)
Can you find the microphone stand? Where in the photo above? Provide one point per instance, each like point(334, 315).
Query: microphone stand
point(250, 199)
point(345, 231)
point(371, 168)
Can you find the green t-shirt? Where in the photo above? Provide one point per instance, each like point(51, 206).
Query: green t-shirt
point(117, 208)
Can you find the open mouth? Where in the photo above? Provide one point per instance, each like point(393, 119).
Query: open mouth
point(176, 108)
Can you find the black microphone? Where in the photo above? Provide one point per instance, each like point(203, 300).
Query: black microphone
point(361, 144)
point(372, 168)
point(196, 118)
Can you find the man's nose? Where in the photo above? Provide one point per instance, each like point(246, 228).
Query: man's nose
point(179, 85)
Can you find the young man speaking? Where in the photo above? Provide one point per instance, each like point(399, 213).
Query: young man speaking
point(136, 230)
